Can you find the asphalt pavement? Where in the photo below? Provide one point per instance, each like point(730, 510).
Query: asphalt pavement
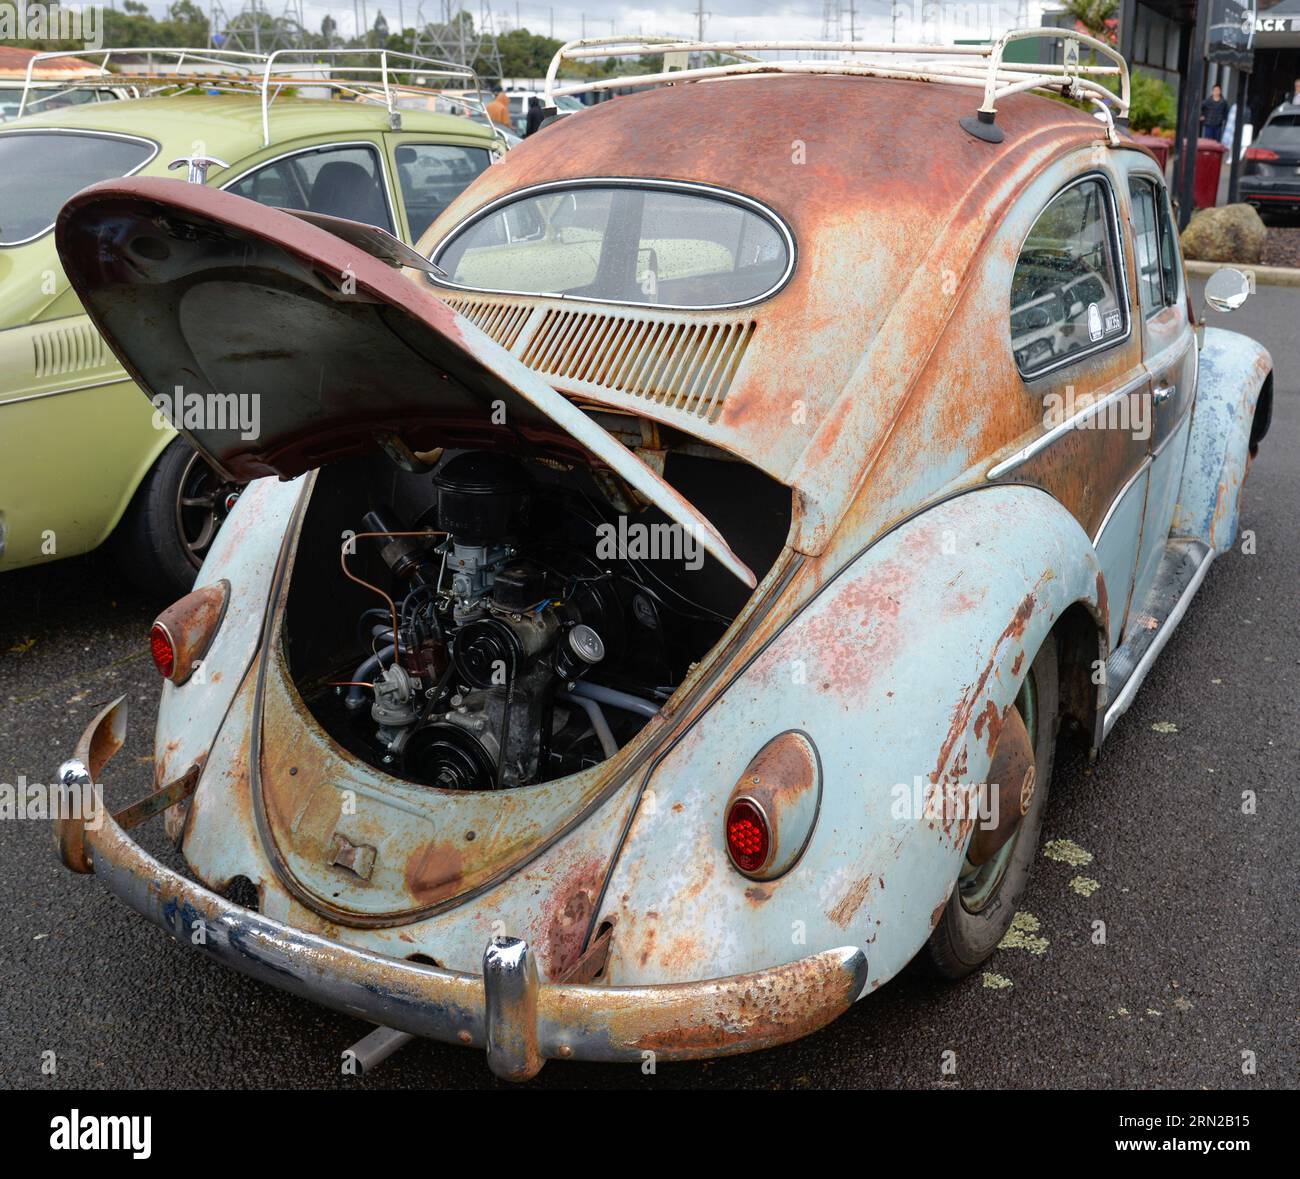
point(1195, 984)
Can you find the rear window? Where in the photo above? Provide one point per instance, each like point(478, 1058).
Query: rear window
point(40, 170)
point(1280, 131)
point(661, 246)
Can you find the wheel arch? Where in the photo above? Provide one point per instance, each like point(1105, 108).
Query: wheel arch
point(900, 670)
point(1234, 403)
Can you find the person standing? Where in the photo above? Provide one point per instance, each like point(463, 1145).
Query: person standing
point(1214, 114)
point(499, 110)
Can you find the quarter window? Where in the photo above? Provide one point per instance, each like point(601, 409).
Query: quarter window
point(341, 181)
point(40, 170)
point(1067, 296)
point(431, 176)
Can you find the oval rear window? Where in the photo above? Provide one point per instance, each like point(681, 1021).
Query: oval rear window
point(40, 170)
point(622, 243)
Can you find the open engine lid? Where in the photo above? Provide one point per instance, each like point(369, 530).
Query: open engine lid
point(276, 347)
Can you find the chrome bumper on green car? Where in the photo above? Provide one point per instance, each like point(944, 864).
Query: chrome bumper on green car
point(520, 1021)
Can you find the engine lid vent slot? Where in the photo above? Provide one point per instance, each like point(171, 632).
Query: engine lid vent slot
point(502, 321)
point(686, 365)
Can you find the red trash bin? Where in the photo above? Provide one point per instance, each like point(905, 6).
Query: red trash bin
point(1156, 146)
point(1209, 160)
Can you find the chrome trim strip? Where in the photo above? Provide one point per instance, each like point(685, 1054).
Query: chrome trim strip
point(1117, 247)
point(1043, 441)
point(1121, 703)
point(157, 147)
point(117, 380)
point(317, 147)
point(690, 187)
point(1143, 466)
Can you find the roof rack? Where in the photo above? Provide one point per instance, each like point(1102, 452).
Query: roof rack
point(979, 66)
point(364, 75)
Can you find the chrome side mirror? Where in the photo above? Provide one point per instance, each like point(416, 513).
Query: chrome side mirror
point(1227, 289)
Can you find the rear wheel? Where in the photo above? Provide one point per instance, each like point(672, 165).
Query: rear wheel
point(172, 520)
point(983, 901)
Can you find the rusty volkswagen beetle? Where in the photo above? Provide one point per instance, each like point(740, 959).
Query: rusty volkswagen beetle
point(653, 615)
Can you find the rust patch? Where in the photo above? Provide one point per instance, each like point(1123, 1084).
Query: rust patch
point(1103, 601)
point(851, 902)
point(566, 916)
point(433, 872)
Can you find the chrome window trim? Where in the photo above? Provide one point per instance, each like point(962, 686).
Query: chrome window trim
point(150, 143)
point(328, 146)
point(688, 187)
point(1117, 246)
point(1043, 441)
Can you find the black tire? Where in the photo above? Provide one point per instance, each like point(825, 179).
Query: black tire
point(963, 939)
point(171, 521)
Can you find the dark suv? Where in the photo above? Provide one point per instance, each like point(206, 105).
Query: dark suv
point(1270, 177)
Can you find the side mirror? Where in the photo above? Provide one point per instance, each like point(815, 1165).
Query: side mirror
point(1227, 289)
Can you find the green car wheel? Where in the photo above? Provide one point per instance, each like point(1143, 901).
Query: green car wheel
point(172, 520)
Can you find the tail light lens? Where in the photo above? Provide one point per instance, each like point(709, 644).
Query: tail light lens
point(182, 634)
point(1260, 153)
point(163, 650)
point(749, 836)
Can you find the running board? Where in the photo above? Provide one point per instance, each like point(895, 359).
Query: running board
point(1182, 569)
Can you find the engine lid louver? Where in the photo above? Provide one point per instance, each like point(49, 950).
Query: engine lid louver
point(682, 364)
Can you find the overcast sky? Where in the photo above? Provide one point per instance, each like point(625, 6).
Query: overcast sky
point(723, 20)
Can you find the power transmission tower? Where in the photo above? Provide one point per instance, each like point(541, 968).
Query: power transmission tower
point(253, 29)
point(832, 23)
point(457, 37)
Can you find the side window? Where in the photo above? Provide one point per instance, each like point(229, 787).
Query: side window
point(431, 176)
point(1146, 242)
point(1067, 295)
point(343, 181)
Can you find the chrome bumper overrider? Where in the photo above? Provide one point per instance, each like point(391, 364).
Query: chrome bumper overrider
point(520, 1021)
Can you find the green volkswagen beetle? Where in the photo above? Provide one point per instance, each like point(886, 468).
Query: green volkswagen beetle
point(83, 458)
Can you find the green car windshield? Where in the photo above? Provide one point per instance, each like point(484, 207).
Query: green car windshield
point(40, 170)
point(624, 243)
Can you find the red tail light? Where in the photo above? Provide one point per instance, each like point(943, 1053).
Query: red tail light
point(1260, 153)
point(163, 650)
point(749, 836)
point(182, 633)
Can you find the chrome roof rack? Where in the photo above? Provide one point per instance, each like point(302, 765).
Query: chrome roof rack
point(364, 75)
point(978, 66)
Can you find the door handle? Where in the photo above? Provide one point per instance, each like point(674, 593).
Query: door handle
point(1162, 393)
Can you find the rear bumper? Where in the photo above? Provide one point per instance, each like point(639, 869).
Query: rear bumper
point(520, 1021)
point(1266, 193)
